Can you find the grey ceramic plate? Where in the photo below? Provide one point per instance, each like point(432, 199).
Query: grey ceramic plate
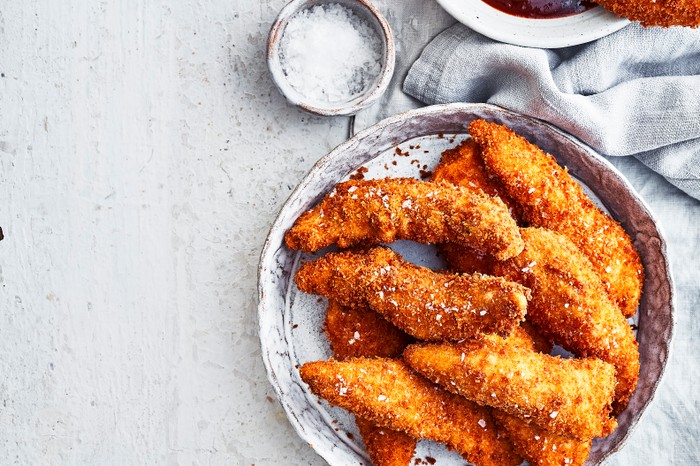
point(291, 322)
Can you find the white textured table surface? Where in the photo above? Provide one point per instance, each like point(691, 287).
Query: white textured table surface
point(143, 155)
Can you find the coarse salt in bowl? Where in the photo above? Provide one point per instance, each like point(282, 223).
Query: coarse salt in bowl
point(331, 57)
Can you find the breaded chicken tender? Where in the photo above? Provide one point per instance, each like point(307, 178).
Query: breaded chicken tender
point(536, 341)
point(570, 307)
point(364, 212)
point(566, 396)
point(425, 304)
point(462, 166)
point(389, 394)
point(550, 198)
point(464, 259)
point(520, 338)
point(539, 446)
point(663, 13)
point(361, 332)
point(386, 447)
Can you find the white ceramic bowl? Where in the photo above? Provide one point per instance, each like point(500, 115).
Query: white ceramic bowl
point(291, 322)
point(548, 33)
point(364, 10)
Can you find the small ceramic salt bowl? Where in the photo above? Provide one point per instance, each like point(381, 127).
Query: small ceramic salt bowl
point(372, 88)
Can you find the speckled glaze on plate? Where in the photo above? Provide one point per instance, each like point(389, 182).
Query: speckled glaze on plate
point(290, 322)
point(550, 33)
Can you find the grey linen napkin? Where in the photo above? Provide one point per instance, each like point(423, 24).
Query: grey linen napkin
point(635, 92)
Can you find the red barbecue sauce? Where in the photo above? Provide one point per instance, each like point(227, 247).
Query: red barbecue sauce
point(540, 9)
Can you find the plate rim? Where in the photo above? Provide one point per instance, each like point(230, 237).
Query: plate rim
point(269, 249)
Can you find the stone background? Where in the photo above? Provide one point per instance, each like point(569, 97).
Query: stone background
point(144, 153)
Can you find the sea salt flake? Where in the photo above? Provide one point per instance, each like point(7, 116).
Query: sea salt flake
point(482, 423)
point(381, 398)
point(553, 414)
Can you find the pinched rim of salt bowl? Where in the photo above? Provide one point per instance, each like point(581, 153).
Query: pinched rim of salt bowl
point(369, 96)
point(656, 316)
point(550, 33)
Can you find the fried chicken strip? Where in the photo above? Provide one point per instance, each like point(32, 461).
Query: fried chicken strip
point(381, 211)
point(663, 13)
point(522, 337)
point(539, 446)
point(570, 307)
point(386, 447)
point(536, 341)
point(360, 332)
point(425, 304)
point(389, 394)
point(566, 396)
point(462, 166)
point(550, 198)
point(356, 332)
point(464, 259)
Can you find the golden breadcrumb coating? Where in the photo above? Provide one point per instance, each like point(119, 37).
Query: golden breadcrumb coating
point(540, 447)
point(550, 198)
point(389, 394)
point(464, 259)
point(360, 332)
point(462, 166)
point(537, 445)
point(536, 341)
point(356, 332)
point(520, 338)
point(566, 396)
point(364, 212)
point(663, 13)
point(386, 447)
point(425, 304)
point(570, 307)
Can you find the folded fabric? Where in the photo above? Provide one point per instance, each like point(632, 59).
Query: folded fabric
point(635, 92)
